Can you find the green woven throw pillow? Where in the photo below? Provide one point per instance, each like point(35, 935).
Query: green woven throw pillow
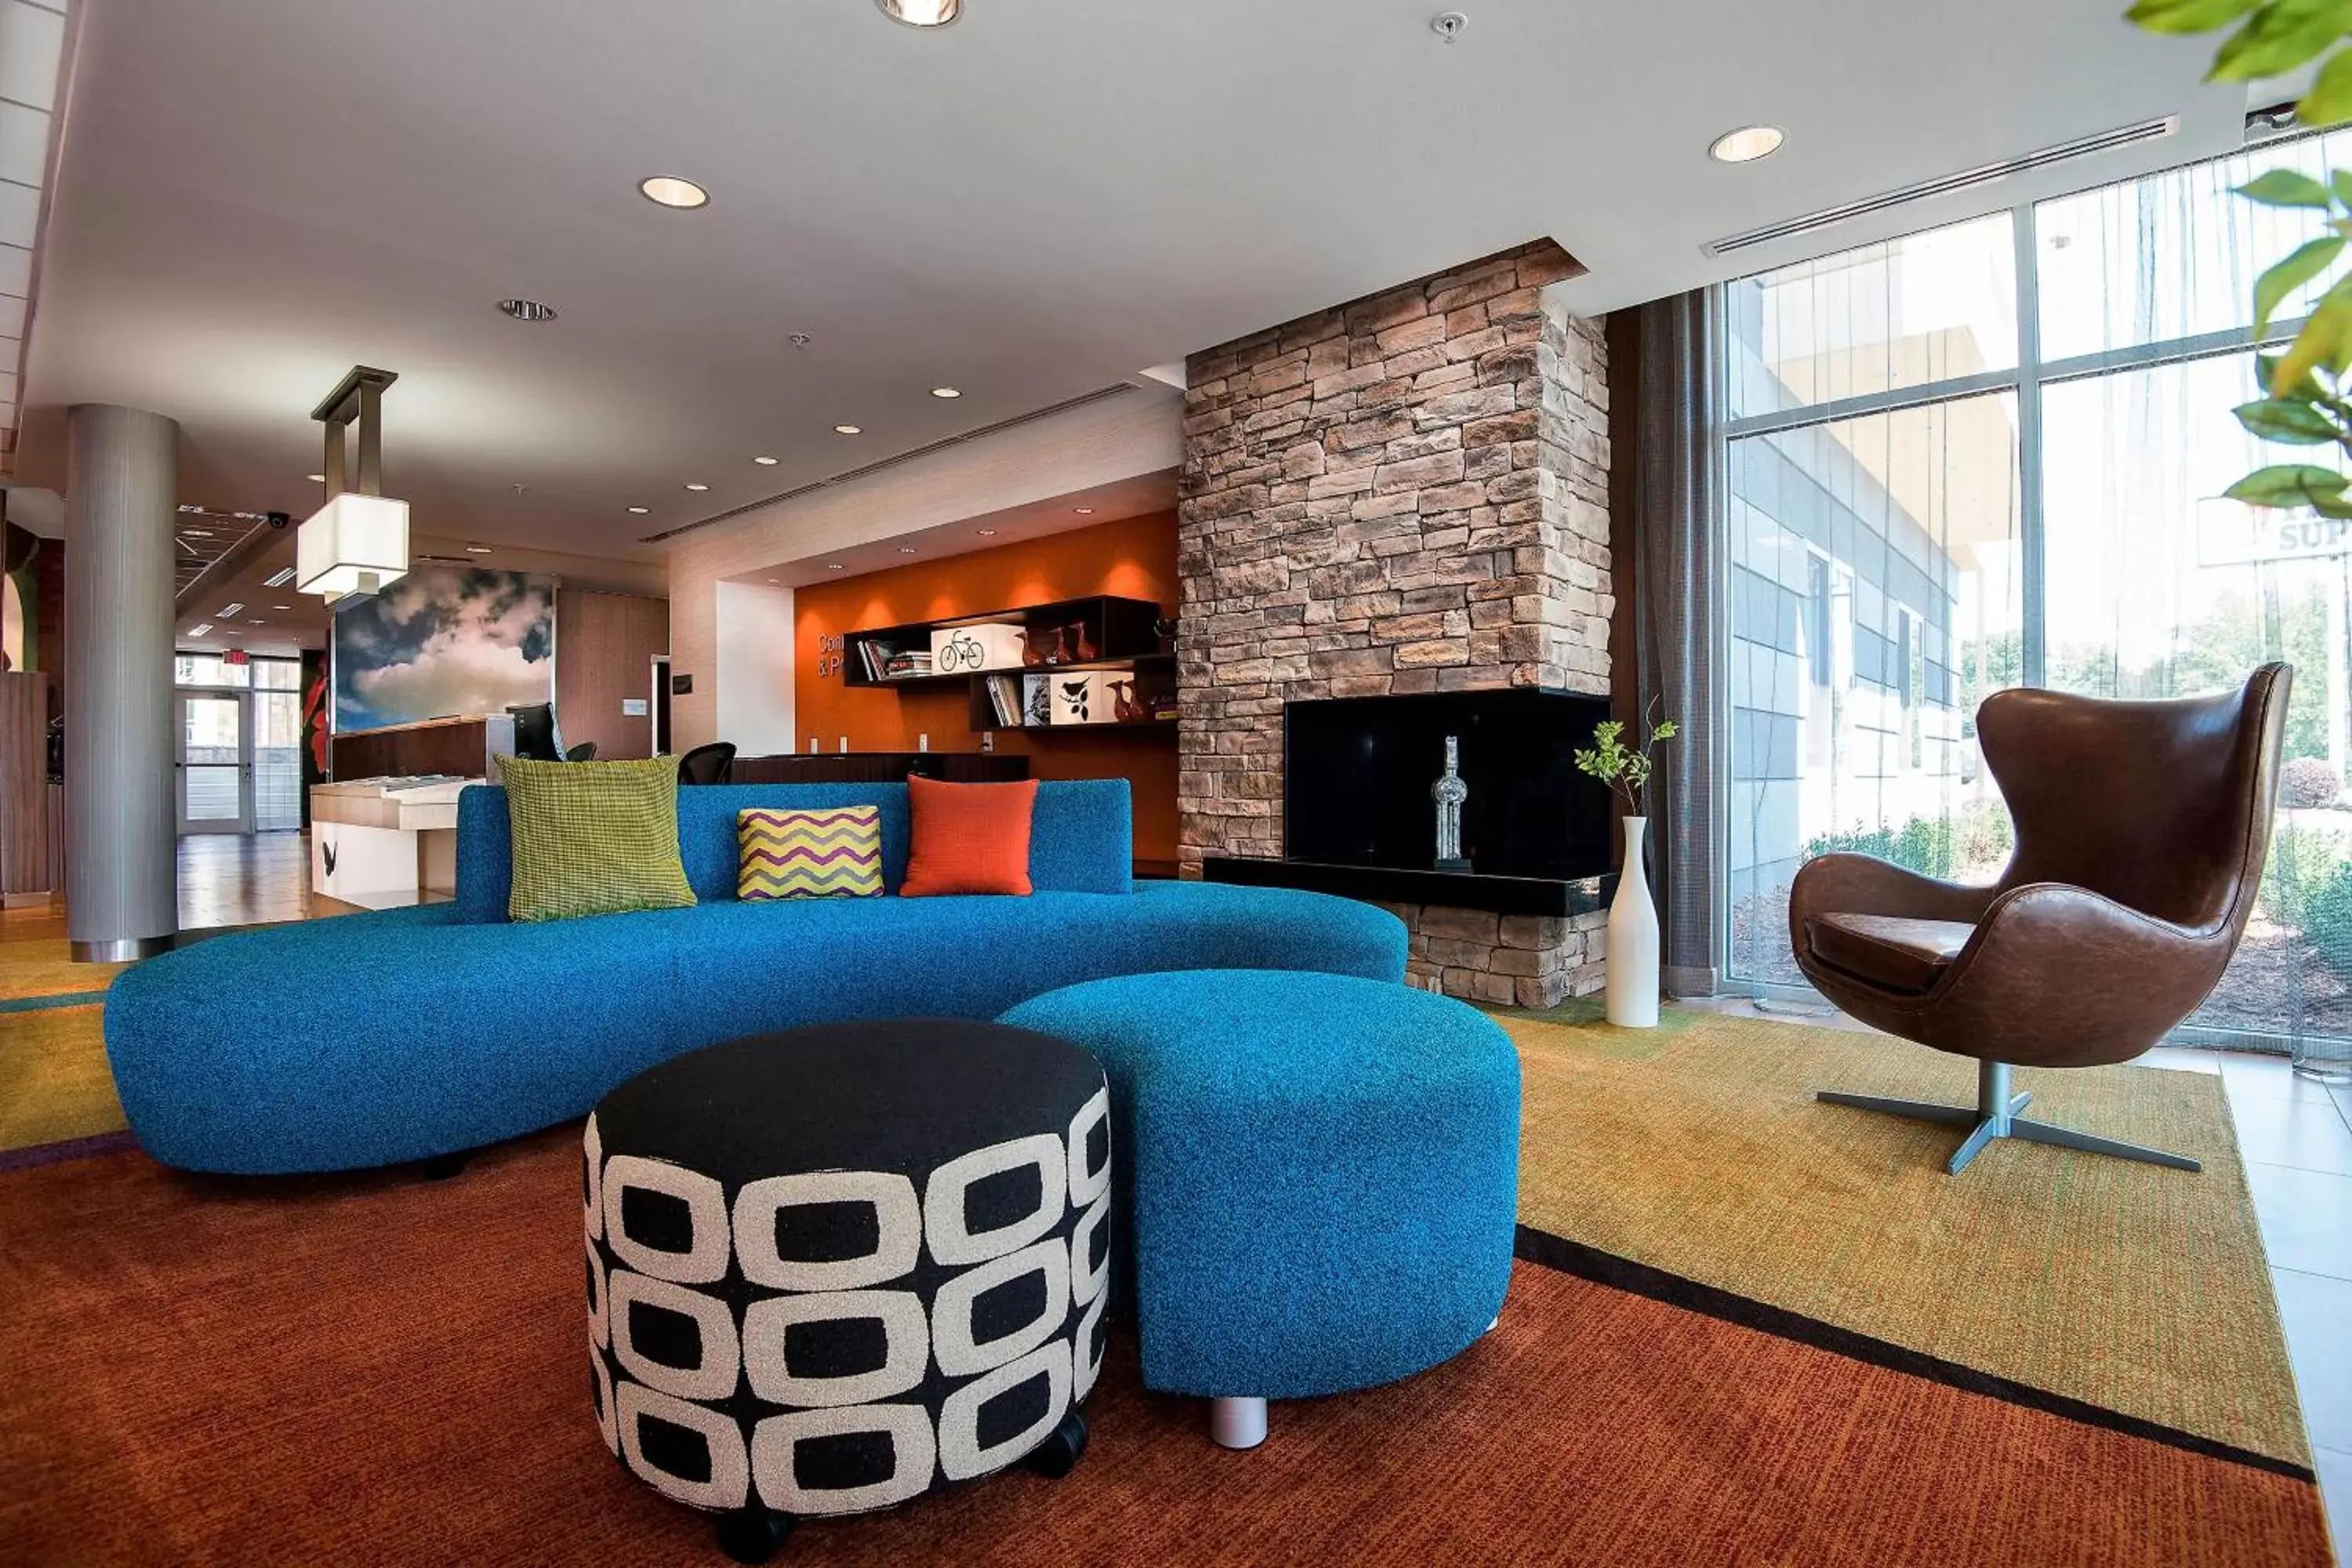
point(594, 838)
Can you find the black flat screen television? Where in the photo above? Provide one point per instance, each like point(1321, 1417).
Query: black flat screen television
point(1357, 771)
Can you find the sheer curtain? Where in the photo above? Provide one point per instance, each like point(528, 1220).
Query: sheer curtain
point(1675, 503)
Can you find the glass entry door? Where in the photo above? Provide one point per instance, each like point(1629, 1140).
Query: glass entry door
point(215, 762)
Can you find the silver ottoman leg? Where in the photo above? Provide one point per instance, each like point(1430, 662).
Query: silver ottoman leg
point(1237, 1422)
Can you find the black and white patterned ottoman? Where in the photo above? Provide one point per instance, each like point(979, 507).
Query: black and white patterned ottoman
point(832, 1269)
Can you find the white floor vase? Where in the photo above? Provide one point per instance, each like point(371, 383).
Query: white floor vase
point(1633, 996)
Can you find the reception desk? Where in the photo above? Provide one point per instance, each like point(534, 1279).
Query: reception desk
point(467, 746)
point(384, 844)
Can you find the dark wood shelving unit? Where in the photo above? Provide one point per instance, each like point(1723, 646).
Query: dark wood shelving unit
point(1116, 634)
point(1116, 630)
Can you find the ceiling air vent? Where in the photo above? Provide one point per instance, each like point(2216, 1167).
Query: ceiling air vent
point(1949, 185)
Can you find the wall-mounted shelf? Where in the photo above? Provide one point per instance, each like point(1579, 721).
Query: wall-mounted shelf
point(1100, 636)
point(1009, 699)
point(1102, 630)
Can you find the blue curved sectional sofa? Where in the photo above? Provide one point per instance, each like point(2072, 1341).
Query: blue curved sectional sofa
point(370, 1040)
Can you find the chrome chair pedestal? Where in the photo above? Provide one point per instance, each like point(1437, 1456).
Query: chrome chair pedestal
point(1996, 1116)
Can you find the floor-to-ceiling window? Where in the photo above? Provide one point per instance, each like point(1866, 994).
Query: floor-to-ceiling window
point(1992, 454)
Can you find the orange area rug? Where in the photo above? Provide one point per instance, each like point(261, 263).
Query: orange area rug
point(381, 1369)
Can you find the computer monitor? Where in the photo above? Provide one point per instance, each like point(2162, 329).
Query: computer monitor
point(534, 726)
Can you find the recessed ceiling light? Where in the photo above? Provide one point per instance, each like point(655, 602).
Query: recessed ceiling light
point(835, 566)
point(316, 479)
point(985, 532)
point(201, 629)
point(849, 429)
point(767, 462)
point(195, 533)
point(281, 606)
point(527, 310)
point(945, 391)
point(477, 550)
point(669, 191)
point(278, 579)
point(1747, 144)
point(1084, 510)
point(922, 12)
point(775, 579)
point(690, 485)
point(639, 511)
point(233, 608)
point(259, 622)
point(906, 550)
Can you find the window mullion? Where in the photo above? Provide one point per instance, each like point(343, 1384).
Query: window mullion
point(2033, 641)
point(1889, 401)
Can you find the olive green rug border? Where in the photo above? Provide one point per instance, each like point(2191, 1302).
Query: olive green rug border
point(2122, 1287)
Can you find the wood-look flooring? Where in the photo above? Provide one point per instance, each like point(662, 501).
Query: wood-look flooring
point(248, 878)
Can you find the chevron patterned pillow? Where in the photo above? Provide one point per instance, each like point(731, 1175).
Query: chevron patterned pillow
point(835, 853)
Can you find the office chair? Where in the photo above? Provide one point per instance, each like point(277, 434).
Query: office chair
point(710, 764)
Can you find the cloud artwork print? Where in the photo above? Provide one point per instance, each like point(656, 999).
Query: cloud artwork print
point(444, 641)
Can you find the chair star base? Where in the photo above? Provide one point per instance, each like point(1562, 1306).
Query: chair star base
point(1995, 1115)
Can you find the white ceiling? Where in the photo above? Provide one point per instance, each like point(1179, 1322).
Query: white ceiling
point(32, 46)
point(1047, 196)
point(281, 620)
point(982, 530)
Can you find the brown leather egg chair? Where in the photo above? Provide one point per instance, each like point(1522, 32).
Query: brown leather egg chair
point(2140, 833)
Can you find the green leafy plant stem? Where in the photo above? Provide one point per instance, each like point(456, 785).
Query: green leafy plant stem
point(1627, 770)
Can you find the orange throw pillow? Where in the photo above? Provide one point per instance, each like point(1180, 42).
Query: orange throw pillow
point(968, 838)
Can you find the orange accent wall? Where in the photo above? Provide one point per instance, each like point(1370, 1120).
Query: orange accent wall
point(1134, 557)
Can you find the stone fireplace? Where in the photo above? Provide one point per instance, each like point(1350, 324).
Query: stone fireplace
point(1408, 493)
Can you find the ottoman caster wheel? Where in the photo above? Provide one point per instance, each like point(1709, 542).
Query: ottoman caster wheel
point(752, 1534)
point(441, 1167)
point(1059, 1453)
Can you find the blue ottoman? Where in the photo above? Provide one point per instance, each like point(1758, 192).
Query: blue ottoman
point(1316, 1179)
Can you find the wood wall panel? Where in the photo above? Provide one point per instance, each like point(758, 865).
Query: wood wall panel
point(604, 648)
point(458, 746)
point(24, 857)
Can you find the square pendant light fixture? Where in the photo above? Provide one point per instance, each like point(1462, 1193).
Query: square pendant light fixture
point(358, 542)
point(354, 544)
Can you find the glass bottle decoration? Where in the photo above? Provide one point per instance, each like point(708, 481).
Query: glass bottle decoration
point(1449, 792)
